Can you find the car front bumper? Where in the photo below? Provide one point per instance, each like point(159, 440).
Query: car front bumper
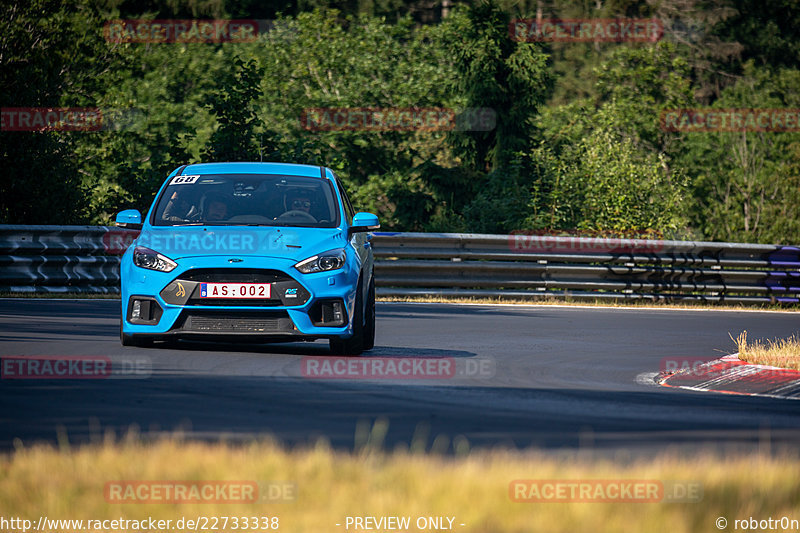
point(301, 306)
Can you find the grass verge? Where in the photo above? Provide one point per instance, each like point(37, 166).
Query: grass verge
point(473, 486)
point(547, 300)
point(781, 353)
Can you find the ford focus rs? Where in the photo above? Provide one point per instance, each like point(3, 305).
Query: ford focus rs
point(268, 252)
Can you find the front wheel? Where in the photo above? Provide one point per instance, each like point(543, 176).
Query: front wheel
point(369, 322)
point(130, 340)
point(355, 344)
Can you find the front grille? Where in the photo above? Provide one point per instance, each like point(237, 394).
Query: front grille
point(185, 289)
point(234, 275)
point(233, 302)
point(236, 323)
point(261, 325)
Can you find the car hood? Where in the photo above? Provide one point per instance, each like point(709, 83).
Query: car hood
point(177, 242)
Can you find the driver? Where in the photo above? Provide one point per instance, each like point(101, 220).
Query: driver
point(298, 201)
point(179, 208)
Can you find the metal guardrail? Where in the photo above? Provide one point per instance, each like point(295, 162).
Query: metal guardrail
point(528, 266)
point(59, 259)
point(85, 259)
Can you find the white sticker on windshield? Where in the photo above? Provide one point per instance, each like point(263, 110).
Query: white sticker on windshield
point(183, 180)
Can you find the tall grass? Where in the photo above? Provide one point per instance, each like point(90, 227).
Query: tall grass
point(472, 486)
point(782, 353)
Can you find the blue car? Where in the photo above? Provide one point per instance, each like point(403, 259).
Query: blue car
point(264, 252)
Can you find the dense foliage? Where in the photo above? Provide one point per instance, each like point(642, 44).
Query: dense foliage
point(575, 140)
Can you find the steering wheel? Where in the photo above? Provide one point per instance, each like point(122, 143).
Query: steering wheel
point(296, 213)
point(193, 216)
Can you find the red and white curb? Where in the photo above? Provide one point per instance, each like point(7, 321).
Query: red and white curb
point(734, 376)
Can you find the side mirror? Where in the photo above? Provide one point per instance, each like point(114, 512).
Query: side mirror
point(364, 222)
point(130, 219)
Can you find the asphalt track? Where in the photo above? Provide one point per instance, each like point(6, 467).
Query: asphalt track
point(558, 378)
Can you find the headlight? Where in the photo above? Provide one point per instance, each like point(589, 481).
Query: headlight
point(147, 258)
point(332, 260)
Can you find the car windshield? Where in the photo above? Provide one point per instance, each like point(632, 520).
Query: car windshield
point(247, 200)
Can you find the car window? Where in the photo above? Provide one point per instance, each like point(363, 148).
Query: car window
point(247, 199)
point(348, 207)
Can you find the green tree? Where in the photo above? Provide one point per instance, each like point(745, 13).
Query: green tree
point(635, 85)
point(158, 120)
point(769, 32)
point(629, 190)
point(748, 182)
point(496, 72)
point(235, 138)
point(48, 59)
point(510, 78)
point(316, 60)
point(605, 164)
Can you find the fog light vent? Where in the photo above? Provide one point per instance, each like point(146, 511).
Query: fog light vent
point(142, 310)
point(328, 313)
point(338, 312)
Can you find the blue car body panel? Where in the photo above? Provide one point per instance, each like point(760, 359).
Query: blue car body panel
point(248, 249)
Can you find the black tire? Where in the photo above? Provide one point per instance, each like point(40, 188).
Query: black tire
point(130, 340)
point(355, 344)
point(369, 320)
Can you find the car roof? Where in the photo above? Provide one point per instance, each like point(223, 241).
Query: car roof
point(288, 169)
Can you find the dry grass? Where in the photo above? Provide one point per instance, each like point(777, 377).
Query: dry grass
point(544, 300)
point(781, 353)
point(549, 300)
point(472, 487)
